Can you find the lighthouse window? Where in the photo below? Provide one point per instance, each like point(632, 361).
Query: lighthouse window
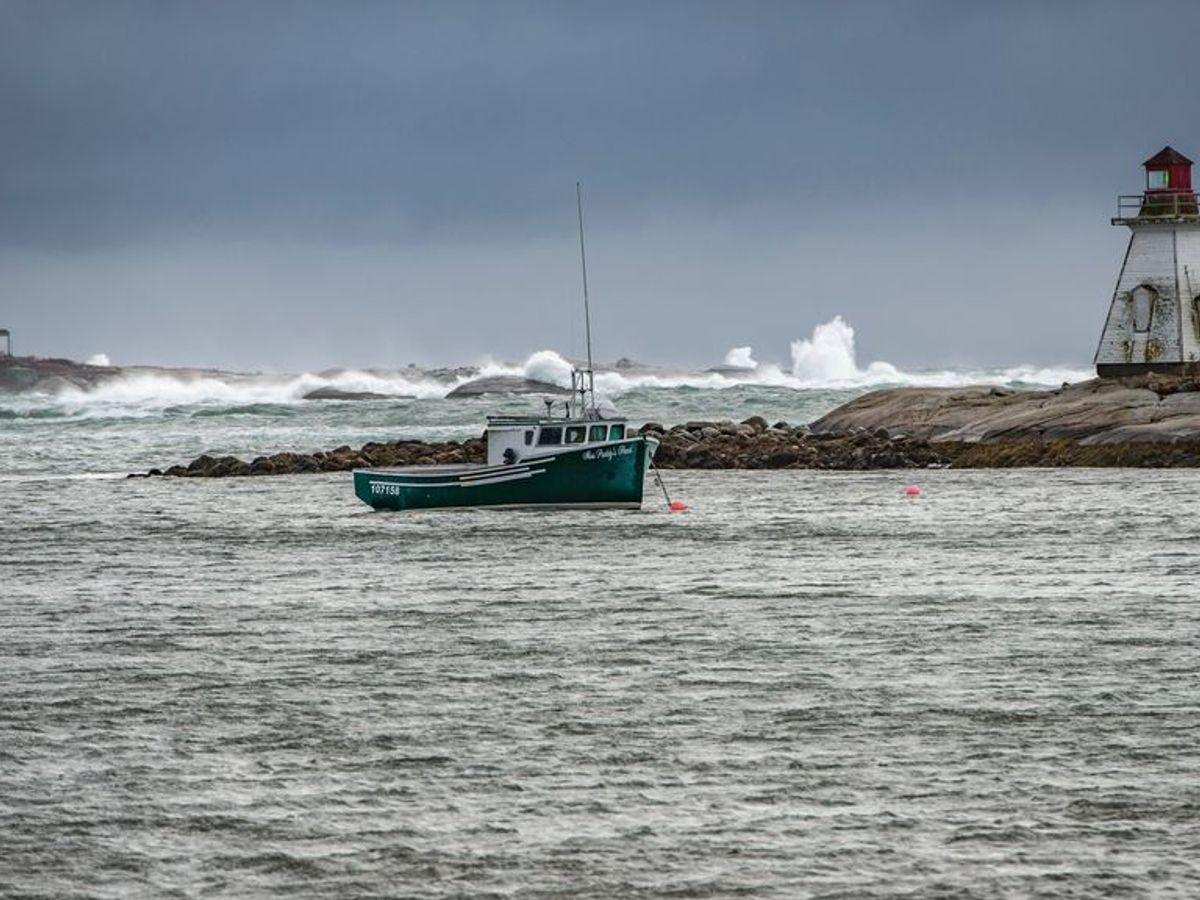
point(1156, 180)
point(597, 433)
point(550, 435)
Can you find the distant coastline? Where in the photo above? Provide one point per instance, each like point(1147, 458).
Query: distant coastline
point(50, 375)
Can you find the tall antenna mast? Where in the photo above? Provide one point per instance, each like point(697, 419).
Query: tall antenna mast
point(587, 314)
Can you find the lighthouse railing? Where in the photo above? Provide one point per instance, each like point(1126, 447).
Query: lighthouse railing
point(1166, 205)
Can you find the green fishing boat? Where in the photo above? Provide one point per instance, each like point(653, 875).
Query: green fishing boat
point(573, 457)
point(545, 461)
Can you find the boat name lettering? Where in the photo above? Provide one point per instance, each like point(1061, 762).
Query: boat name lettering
point(609, 452)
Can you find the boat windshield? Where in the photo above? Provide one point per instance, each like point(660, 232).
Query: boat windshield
point(549, 434)
point(616, 433)
point(597, 433)
point(575, 434)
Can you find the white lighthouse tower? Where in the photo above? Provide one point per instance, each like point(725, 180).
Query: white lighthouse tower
point(1153, 323)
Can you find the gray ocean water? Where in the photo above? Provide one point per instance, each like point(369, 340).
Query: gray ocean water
point(809, 685)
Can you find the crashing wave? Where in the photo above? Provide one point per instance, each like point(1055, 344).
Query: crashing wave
point(135, 392)
point(741, 358)
point(824, 360)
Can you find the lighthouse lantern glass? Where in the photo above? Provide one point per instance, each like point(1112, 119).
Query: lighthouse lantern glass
point(1157, 179)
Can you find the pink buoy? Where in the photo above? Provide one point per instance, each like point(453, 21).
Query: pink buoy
point(678, 506)
point(912, 491)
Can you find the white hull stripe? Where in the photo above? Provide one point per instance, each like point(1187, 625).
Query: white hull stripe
point(477, 482)
point(494, 472)
point(464, 474)
point(516, 476)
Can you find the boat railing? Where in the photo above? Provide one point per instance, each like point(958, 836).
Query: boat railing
point(583, 386)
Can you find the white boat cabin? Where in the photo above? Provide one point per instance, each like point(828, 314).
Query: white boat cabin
point(511, 439)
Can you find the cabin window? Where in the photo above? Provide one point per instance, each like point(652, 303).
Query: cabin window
point(528, 438)
point(597, 433)
point(1157, 180)
point(550, 435)
point(575, 434)
point(616, 433)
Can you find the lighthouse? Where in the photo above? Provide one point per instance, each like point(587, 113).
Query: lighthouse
point(1153, 321)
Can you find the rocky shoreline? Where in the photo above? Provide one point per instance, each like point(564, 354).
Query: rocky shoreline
point(752, 444)
point(1142, 410)
point(19, 374)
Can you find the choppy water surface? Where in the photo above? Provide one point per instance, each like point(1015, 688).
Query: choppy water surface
point(807, 686)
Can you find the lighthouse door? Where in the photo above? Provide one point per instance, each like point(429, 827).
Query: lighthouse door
point(1141, 301)
point(1143, 307)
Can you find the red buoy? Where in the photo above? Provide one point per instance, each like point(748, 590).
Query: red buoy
point(912, 491)
point(678, 506)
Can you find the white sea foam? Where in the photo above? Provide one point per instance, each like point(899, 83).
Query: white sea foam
point(741, 357)
point(150, 393)
point(826, 360)
point(545, 365)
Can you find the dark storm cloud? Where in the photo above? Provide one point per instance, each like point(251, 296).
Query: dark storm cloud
point(749, 143)
point(129, 117)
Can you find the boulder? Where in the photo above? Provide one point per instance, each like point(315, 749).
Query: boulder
point(757, 423)
point(330, 393)
point(507, 384)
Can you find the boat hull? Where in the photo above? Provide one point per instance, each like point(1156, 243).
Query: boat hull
point(602, 476)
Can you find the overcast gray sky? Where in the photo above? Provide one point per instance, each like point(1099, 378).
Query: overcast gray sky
point(297, 185)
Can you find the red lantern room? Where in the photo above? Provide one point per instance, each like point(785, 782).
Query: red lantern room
point(1168, 171)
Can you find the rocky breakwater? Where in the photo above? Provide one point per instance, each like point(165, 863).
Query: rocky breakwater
point(1152, 422)
point(752, 444)
point(341, 459)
